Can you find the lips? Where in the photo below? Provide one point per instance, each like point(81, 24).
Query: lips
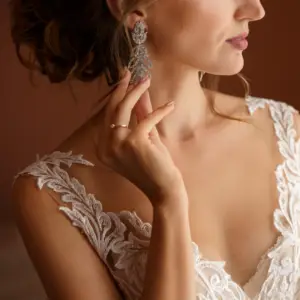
point(239, 42)
point(241, 36)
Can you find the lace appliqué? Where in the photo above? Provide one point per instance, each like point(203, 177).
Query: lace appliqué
point(123, 252)
point(212, 281)
point(122, 239)
point(283, 274)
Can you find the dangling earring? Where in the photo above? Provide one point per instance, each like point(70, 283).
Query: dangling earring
point(139, 63)
point(201, 74)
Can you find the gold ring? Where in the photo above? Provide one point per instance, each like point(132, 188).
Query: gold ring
point(116, 126)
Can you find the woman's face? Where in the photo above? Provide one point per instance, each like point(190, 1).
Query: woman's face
point(194, 32)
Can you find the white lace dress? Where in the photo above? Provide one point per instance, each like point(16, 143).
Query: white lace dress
point(121, 239)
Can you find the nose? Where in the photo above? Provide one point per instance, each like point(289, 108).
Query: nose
point(251, 10)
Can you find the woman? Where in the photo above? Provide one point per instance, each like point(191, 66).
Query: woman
point(171, 185)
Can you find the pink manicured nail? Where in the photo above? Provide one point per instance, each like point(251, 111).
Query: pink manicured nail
point(144, 80)
point(170, 103)
point(126, 74)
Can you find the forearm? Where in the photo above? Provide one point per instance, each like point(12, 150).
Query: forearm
point(170, 267)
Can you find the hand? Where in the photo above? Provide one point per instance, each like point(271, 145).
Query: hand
point(138, 153)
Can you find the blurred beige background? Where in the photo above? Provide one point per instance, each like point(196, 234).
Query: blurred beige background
point(34, 119)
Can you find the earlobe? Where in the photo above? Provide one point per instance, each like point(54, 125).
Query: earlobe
point(133, 18)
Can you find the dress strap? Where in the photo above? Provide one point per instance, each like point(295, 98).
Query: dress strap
point(283, 116)
point(283, 271)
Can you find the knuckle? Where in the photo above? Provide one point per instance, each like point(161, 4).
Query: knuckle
point(136, 140)
point(113, 151)
point(115, 144)
point(121, 86)
point(119, 108)
point(131, 141)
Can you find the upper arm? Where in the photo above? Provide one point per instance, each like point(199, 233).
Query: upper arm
point(67, 265)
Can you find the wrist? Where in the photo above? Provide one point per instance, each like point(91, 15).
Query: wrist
point(175, 191)
point(173, 206)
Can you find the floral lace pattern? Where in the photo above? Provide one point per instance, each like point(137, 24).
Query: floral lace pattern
point(121, 239)
point(283, 274)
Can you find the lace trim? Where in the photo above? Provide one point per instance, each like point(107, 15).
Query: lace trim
point(263, 260)
point(212, 281)
point(283, 272)
point(108, 232)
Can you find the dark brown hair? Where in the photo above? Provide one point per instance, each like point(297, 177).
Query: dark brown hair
point(69, 39)
point(78, 39)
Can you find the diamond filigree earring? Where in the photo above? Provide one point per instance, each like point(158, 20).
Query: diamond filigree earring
point(140, 63)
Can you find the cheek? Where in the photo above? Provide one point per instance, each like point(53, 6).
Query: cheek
point(169, 22)
point(184, 27)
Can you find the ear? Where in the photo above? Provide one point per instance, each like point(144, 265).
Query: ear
point(117, 9)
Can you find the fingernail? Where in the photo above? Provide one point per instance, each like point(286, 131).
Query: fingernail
point(170, 103)
point(126, 73)
point(145, 79)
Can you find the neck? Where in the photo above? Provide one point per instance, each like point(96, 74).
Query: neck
point(191, 102)
point(191, 110)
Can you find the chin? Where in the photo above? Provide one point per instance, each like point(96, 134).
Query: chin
point(233, 72)
point(236, 69)
point(232, 67)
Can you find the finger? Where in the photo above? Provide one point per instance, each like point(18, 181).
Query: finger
point(100, 103)
point(105, 99)
point(140, 111)
point(143, 108)
point(124, 110)
point(117, 95)
point(146, 126)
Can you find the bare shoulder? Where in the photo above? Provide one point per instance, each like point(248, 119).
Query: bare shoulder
point(83, 139)
point(66, 263)
point(98, 179)
point(25, 193)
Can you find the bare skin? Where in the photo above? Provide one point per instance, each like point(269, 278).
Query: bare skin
point(228, 170)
